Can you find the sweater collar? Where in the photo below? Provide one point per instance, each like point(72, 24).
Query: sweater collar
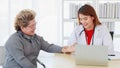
point(26, 36)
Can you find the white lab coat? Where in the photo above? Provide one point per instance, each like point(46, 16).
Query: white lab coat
point(101, 37)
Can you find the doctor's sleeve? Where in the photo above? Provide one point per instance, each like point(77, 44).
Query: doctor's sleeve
point(107, 40)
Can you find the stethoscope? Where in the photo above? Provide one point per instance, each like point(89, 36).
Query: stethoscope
point(86, 34)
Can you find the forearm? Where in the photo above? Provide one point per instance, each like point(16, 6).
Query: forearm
point(54, 49)
point(25, 63)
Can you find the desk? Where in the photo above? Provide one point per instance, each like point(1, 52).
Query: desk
point(68, 61)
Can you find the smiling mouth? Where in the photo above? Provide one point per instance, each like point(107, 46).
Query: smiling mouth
point(84, 24)
point(33, 31)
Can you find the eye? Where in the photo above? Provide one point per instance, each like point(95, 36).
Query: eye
point(80, 19)
point(85, 18)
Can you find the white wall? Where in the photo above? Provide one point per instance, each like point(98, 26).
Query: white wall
point(47, 17)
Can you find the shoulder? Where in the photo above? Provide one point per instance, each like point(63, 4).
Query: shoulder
point(78, 28)
point(101, 27)
point(14, 36)
point(13, 40)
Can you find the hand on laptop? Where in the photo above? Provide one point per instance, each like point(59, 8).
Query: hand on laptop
point(69, 49)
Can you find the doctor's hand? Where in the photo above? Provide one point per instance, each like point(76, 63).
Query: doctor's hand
point(69, 49)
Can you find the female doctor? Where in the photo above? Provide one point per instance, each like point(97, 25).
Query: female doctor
point(90, 31)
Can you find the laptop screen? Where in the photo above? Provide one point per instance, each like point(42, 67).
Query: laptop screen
point(91, 55)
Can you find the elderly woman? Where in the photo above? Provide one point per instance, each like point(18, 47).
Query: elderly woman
point(22, 48)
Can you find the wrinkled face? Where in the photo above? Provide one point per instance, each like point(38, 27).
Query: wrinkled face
point(30, 29)
point(86, 21)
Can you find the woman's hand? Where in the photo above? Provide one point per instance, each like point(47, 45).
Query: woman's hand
point(69, 49)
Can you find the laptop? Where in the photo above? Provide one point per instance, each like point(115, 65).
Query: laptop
point(91, 55)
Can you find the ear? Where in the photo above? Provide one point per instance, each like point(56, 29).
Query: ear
point(22, 28)
point(93, 18)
